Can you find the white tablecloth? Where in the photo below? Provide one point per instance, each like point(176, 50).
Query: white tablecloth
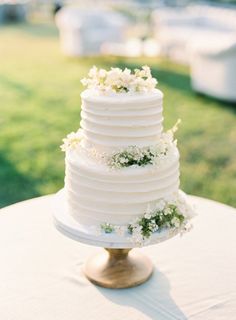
point(41, 277)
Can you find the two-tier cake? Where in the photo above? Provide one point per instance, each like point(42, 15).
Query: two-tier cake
point(122, 170)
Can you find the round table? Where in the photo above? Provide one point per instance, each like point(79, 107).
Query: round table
point(41, 276)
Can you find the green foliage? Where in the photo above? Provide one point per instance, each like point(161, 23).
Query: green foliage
point(107, 228)
point(169, 217)
point(142, 156)
point(40, 103)
point(128, 158)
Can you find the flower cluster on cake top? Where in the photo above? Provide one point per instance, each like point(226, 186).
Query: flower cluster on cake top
point(120, 81)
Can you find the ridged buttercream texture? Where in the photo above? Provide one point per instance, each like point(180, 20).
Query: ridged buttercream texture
point(120, 120)
point(97, 194)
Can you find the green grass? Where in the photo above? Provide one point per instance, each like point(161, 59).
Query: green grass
point(40, 102)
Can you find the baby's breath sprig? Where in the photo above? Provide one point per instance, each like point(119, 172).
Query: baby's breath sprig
point(136, 156)
point(170, 213)
point(168, 217)
point(72, 140)
point(107, 227)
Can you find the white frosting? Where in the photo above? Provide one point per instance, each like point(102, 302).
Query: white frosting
point(97, 194)
point(120, 120)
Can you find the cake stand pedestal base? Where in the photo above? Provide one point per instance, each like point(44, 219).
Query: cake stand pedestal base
point(118, 268)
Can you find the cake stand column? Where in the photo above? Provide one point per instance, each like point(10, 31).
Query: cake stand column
point(118, 268)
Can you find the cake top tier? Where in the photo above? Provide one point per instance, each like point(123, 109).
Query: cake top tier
point(120, 81)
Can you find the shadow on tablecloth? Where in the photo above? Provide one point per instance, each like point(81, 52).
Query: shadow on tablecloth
point(152, 298)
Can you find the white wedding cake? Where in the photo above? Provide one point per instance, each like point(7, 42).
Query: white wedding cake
point(122, 170)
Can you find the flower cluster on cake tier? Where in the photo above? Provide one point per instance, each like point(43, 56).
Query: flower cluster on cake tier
point(122, 170)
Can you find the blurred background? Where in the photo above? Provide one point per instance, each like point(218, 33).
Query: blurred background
point(46, 47)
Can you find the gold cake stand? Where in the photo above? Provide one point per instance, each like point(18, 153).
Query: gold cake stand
point(118, 268)
point(120, 265)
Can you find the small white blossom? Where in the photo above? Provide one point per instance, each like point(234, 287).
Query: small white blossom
point(175, 221)
point(123, 160)
point(102, 73)
point(93, 72)
point(148, 215)
point(167, 211)
point(72, 140)
point(153, 226)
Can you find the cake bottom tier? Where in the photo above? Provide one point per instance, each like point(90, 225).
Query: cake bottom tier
point(93, 236)
point(96, 194)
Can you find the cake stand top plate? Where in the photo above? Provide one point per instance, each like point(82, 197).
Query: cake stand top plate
point(68, 226)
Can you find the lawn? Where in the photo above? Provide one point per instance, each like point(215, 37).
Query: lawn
point(40, 103)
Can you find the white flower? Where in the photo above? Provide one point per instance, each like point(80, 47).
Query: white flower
point(175, 221)
point(120, 80)
point(167, 211)
point(170, 217)
point(123, 160)
point(72, 140)
point(188, 226)
point(85, 82)
point(153, 226)
point(148, 215)
point(102, 73)
point(107, 227)
point(150, 83)
point(147, 71)
point(93, 72)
